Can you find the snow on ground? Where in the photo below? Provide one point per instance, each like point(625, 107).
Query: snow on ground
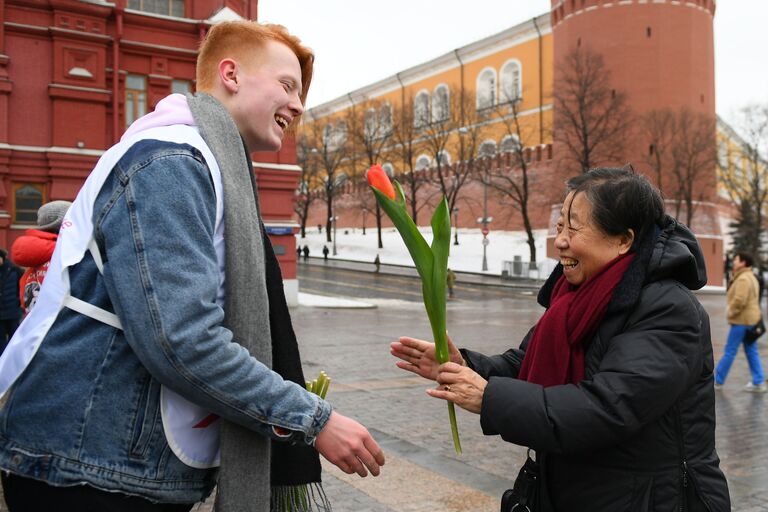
point(503, 246)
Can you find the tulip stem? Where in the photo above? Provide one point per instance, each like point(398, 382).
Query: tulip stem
point(454, 428)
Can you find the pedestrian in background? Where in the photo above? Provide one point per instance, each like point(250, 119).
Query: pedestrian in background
point(450, 279)
point(305, 251)
point(742, 312)
point(34, 249)
point(377, 263)
point(10, 303)
point(325, 252)
point(612, 387)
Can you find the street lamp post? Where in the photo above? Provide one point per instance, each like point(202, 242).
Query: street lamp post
point(333, 223)
point(485, 220)
point(455, 212)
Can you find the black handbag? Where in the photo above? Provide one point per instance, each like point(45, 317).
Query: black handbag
point(524, 495)
point(754, 332)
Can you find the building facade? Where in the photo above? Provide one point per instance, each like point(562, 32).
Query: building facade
point(657, 55)
point(74, 74)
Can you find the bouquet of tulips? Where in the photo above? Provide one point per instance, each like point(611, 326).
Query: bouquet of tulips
point(299, 495)
point(431, 261)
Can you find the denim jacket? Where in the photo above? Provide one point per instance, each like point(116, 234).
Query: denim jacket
point(86, 409)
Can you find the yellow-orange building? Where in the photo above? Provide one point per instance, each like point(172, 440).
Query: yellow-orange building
point(659, 54)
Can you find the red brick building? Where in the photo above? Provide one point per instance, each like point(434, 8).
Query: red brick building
point(75, 73)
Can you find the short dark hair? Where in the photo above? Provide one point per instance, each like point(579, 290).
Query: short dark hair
point(3, 253)
point(746, 257)
point(621, 200)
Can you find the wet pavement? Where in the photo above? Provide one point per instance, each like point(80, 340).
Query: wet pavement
point(423, 473)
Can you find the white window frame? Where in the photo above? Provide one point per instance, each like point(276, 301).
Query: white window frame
point(481, 87)
point(441, 104)
point(518, 92)
point(421, 109)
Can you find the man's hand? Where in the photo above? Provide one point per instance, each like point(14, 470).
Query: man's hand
point(348, 445)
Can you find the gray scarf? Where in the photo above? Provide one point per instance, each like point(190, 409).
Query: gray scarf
point(245, 456)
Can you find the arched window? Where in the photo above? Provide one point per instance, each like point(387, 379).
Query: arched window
point(369, 124)
point(421, 110)
point(511, 83)
point(440, 106)
point(385, 119)
point(510, 144)
point(340, 134)
point(445, 158)
point(488, 148)
point(423, 162)
point(486, 89)
point(328, 134)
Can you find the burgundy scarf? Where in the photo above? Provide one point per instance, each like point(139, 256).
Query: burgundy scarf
point(555, 354)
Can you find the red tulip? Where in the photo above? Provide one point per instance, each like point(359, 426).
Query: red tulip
point(378, 179)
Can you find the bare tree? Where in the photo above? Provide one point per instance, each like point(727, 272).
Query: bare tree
point(306, 156)
point(511, 180)
point(694, 158)
point(744, 171)
point(371, 131)
point(659, 128)
point(329, 143)
point(459, 128)
point(404, 150)
point(592, 119)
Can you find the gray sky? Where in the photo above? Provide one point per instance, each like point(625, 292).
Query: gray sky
point(357, 43)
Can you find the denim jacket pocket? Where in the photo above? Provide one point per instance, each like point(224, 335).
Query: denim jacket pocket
point(147, 418)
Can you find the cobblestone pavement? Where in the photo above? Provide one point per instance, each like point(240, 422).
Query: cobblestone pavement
point(422, 472)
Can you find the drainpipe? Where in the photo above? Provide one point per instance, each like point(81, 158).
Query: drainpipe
point(402, 91)
point(541, 86)
point(461, 86)
point(119, 8)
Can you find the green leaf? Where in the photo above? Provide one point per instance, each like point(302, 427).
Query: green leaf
point(414, 241)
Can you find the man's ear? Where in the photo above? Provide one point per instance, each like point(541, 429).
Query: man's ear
point(228, 74)
point(625, 241)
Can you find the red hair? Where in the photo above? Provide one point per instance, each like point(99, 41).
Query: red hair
point(237, 40)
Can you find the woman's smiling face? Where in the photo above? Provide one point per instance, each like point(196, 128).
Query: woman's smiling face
point(582, 246)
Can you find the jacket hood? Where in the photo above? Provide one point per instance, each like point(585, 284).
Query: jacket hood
point(669, 252)
point(677, 255)
point(173, 109)
point(33, 248)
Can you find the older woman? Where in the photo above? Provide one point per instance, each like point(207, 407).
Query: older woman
point(613, 386)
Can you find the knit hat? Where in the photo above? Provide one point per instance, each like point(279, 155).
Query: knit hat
point(50, 215)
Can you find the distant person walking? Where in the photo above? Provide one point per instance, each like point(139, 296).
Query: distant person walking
point(34, 250)
point(377, 262)
point(450, 279)
point(10, 306)
point(743, 311)
point(305, 251)
point(325, 252)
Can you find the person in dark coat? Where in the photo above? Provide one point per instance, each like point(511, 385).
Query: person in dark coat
point(10, 305)
point(613, 387)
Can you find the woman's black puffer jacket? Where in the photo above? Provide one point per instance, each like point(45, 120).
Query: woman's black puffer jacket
point(638, 433)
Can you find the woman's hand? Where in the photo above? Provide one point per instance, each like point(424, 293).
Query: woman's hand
point(460, 385)
point(418, 356)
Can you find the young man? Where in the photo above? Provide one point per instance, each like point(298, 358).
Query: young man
point(743, 312)
point(162, 324)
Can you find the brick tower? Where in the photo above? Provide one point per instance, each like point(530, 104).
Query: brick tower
point(660, 53)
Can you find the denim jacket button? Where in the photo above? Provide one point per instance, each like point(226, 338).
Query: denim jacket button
point(16, 459)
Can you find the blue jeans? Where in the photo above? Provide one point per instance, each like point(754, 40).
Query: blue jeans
point(732, 344)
